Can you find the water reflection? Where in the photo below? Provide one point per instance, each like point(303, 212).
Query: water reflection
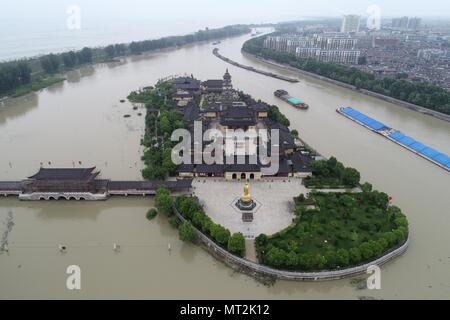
point(56, 88)
point(73, 76)
point(14, 108)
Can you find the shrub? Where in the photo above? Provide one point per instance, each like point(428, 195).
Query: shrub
point(186, 232)
point(276, 257)
point(151, 214)
point(163, 201)
point(220, 234)
point(236, 244)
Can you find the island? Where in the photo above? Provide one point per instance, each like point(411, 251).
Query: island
point(310, 219)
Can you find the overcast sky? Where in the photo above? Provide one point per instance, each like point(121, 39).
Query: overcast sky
point(223, 11)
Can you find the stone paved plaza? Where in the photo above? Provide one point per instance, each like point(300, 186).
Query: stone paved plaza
point(274, 197)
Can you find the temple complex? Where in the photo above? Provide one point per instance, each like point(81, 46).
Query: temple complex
point(219, 106)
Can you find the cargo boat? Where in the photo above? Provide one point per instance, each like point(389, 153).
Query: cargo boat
point(435, 156)
point(296, 103)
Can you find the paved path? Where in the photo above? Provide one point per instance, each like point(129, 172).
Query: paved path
point(250, 251)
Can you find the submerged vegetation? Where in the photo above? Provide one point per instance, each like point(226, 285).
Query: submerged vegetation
point(423, 94)
point(151, 214)
point(160, 122)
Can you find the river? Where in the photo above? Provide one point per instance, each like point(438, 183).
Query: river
point(80, 123)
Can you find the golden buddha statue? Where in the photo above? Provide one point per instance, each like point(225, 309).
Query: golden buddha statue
point(246, 198)
point(246, 203)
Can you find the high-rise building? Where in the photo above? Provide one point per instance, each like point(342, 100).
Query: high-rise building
point(323, 47)
point(414, 23)
point(406, 23)
point(350, 23)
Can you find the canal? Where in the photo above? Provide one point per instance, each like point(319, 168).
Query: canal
point(81, 123)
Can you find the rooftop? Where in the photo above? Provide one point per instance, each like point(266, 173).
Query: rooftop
point(65, 174)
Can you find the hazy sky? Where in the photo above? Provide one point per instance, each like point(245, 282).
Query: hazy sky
point(220, 11)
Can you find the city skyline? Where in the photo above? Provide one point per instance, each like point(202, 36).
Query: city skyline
point(263, 11)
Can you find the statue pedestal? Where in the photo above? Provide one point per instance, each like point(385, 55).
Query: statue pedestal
point(247, 216)
point(246, 205)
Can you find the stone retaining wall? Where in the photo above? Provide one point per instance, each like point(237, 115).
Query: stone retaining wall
point(258, 269)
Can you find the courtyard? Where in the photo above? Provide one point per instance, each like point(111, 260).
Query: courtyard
point(274, 198)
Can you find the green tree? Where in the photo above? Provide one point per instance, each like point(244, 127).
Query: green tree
point(153, 173)
point(366, 251)
point(69, 59)
point(276, 257)
point(50, 63)
point(186, 232)
point(291, 260)
point(366, 187)
point(354, 255)
point(236, 244)
point(343, 257)
point(110, 51)
point(164, 125)
point(331, 259)
point(351, 177)
point(163, 201)
point(151, 214)
point(85, 55)
point(24, 72)
point(220, 234)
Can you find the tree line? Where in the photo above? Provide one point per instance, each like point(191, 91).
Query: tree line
point(423, 94)
point(194, 213)
point(137, 47)
point(196, 217)
point(14, 74)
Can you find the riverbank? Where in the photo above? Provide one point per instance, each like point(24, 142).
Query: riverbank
point(394, 101)
point(35, 73)
point(35, 86)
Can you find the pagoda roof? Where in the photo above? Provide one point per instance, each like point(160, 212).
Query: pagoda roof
point(64, 174)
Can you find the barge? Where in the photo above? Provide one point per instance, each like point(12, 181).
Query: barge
point(296, 103)
point(439, 158)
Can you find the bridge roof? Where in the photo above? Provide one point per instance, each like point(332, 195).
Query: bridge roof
point(64, 174)
point(10, 185)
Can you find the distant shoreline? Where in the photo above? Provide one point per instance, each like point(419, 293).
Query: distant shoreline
point(99, 55)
